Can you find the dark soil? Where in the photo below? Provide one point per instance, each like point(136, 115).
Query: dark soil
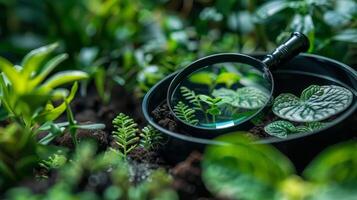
point(187, 175)
point(187, 178)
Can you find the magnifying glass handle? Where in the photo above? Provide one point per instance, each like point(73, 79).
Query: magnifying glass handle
point(296, 44)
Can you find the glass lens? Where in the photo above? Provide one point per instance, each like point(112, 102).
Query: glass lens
point(221, 95)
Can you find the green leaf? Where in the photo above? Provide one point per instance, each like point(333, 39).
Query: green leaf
point(214, 111)
point(12, 75)
point(280, 129)
point(205, 78)
point(51, 113)
point(185, 113)
point(48, 68)
point(33, 60)
point(64, 77)
point(337, 164)
point(316, 103)
point(270, 8)
point(205, 98)
point(348, 35)
point(228, 78)
point(90, 126)
point(246, 97)
point(239, 169)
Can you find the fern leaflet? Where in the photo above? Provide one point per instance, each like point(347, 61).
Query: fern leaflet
point(125, 133)
point(150, 138)
point(185, 113)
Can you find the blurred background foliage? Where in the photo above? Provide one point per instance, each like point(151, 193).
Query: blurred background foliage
point(135, 43)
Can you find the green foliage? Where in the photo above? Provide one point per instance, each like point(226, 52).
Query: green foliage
point(125, 133)
point(315, 104)
point(58, 129)
point(18, 154)
point(54, 161)
point(239, 169)
point(336, 164)
point(192, 98)
point(283, 128)
point(213, 103)
point(117, 182)
point(150, 138)
point(27, 91)
point(185, 113)
point(204, 78)
point(246, 97)
point(321, 21)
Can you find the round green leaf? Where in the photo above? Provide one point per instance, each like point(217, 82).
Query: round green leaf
point(280, 128)
point(315, 104)
point(242, 170)
point(337, 164)
point(246, 97)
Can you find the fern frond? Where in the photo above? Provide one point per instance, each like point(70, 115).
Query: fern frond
point(191, 97)
point(185, 113)
point(125, 133)
point(150, 138)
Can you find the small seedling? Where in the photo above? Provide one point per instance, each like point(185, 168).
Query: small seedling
point(150, 138)
point(71, 126)
point(213, 103)
point(316, 103)
point(125, 133)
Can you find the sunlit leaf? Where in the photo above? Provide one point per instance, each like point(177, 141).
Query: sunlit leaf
point(47, 69)
point(33, 60)
point(205, 78)
point(50, 114)
point(64, 77)
point(227, 78)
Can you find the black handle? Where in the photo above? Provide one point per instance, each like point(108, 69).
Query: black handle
point(296, 44)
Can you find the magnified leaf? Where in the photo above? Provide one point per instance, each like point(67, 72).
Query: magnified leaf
point(246, 97)
point(205, 78)
point(241, 170)
point(185, 113)
point(228, 78)
point(315, 104)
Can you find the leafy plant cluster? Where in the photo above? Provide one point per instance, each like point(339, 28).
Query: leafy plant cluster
point(105, 176)
point(316, 103)
point(31, 102)
point(222, 104)
point(108, 41)
point(128, 137)
point(229, 171)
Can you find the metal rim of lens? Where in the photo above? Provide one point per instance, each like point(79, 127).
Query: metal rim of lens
point(210, 60)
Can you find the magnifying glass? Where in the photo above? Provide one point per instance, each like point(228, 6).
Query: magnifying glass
point(223, 92)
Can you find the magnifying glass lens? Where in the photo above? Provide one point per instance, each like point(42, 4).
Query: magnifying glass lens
point(221, 95)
